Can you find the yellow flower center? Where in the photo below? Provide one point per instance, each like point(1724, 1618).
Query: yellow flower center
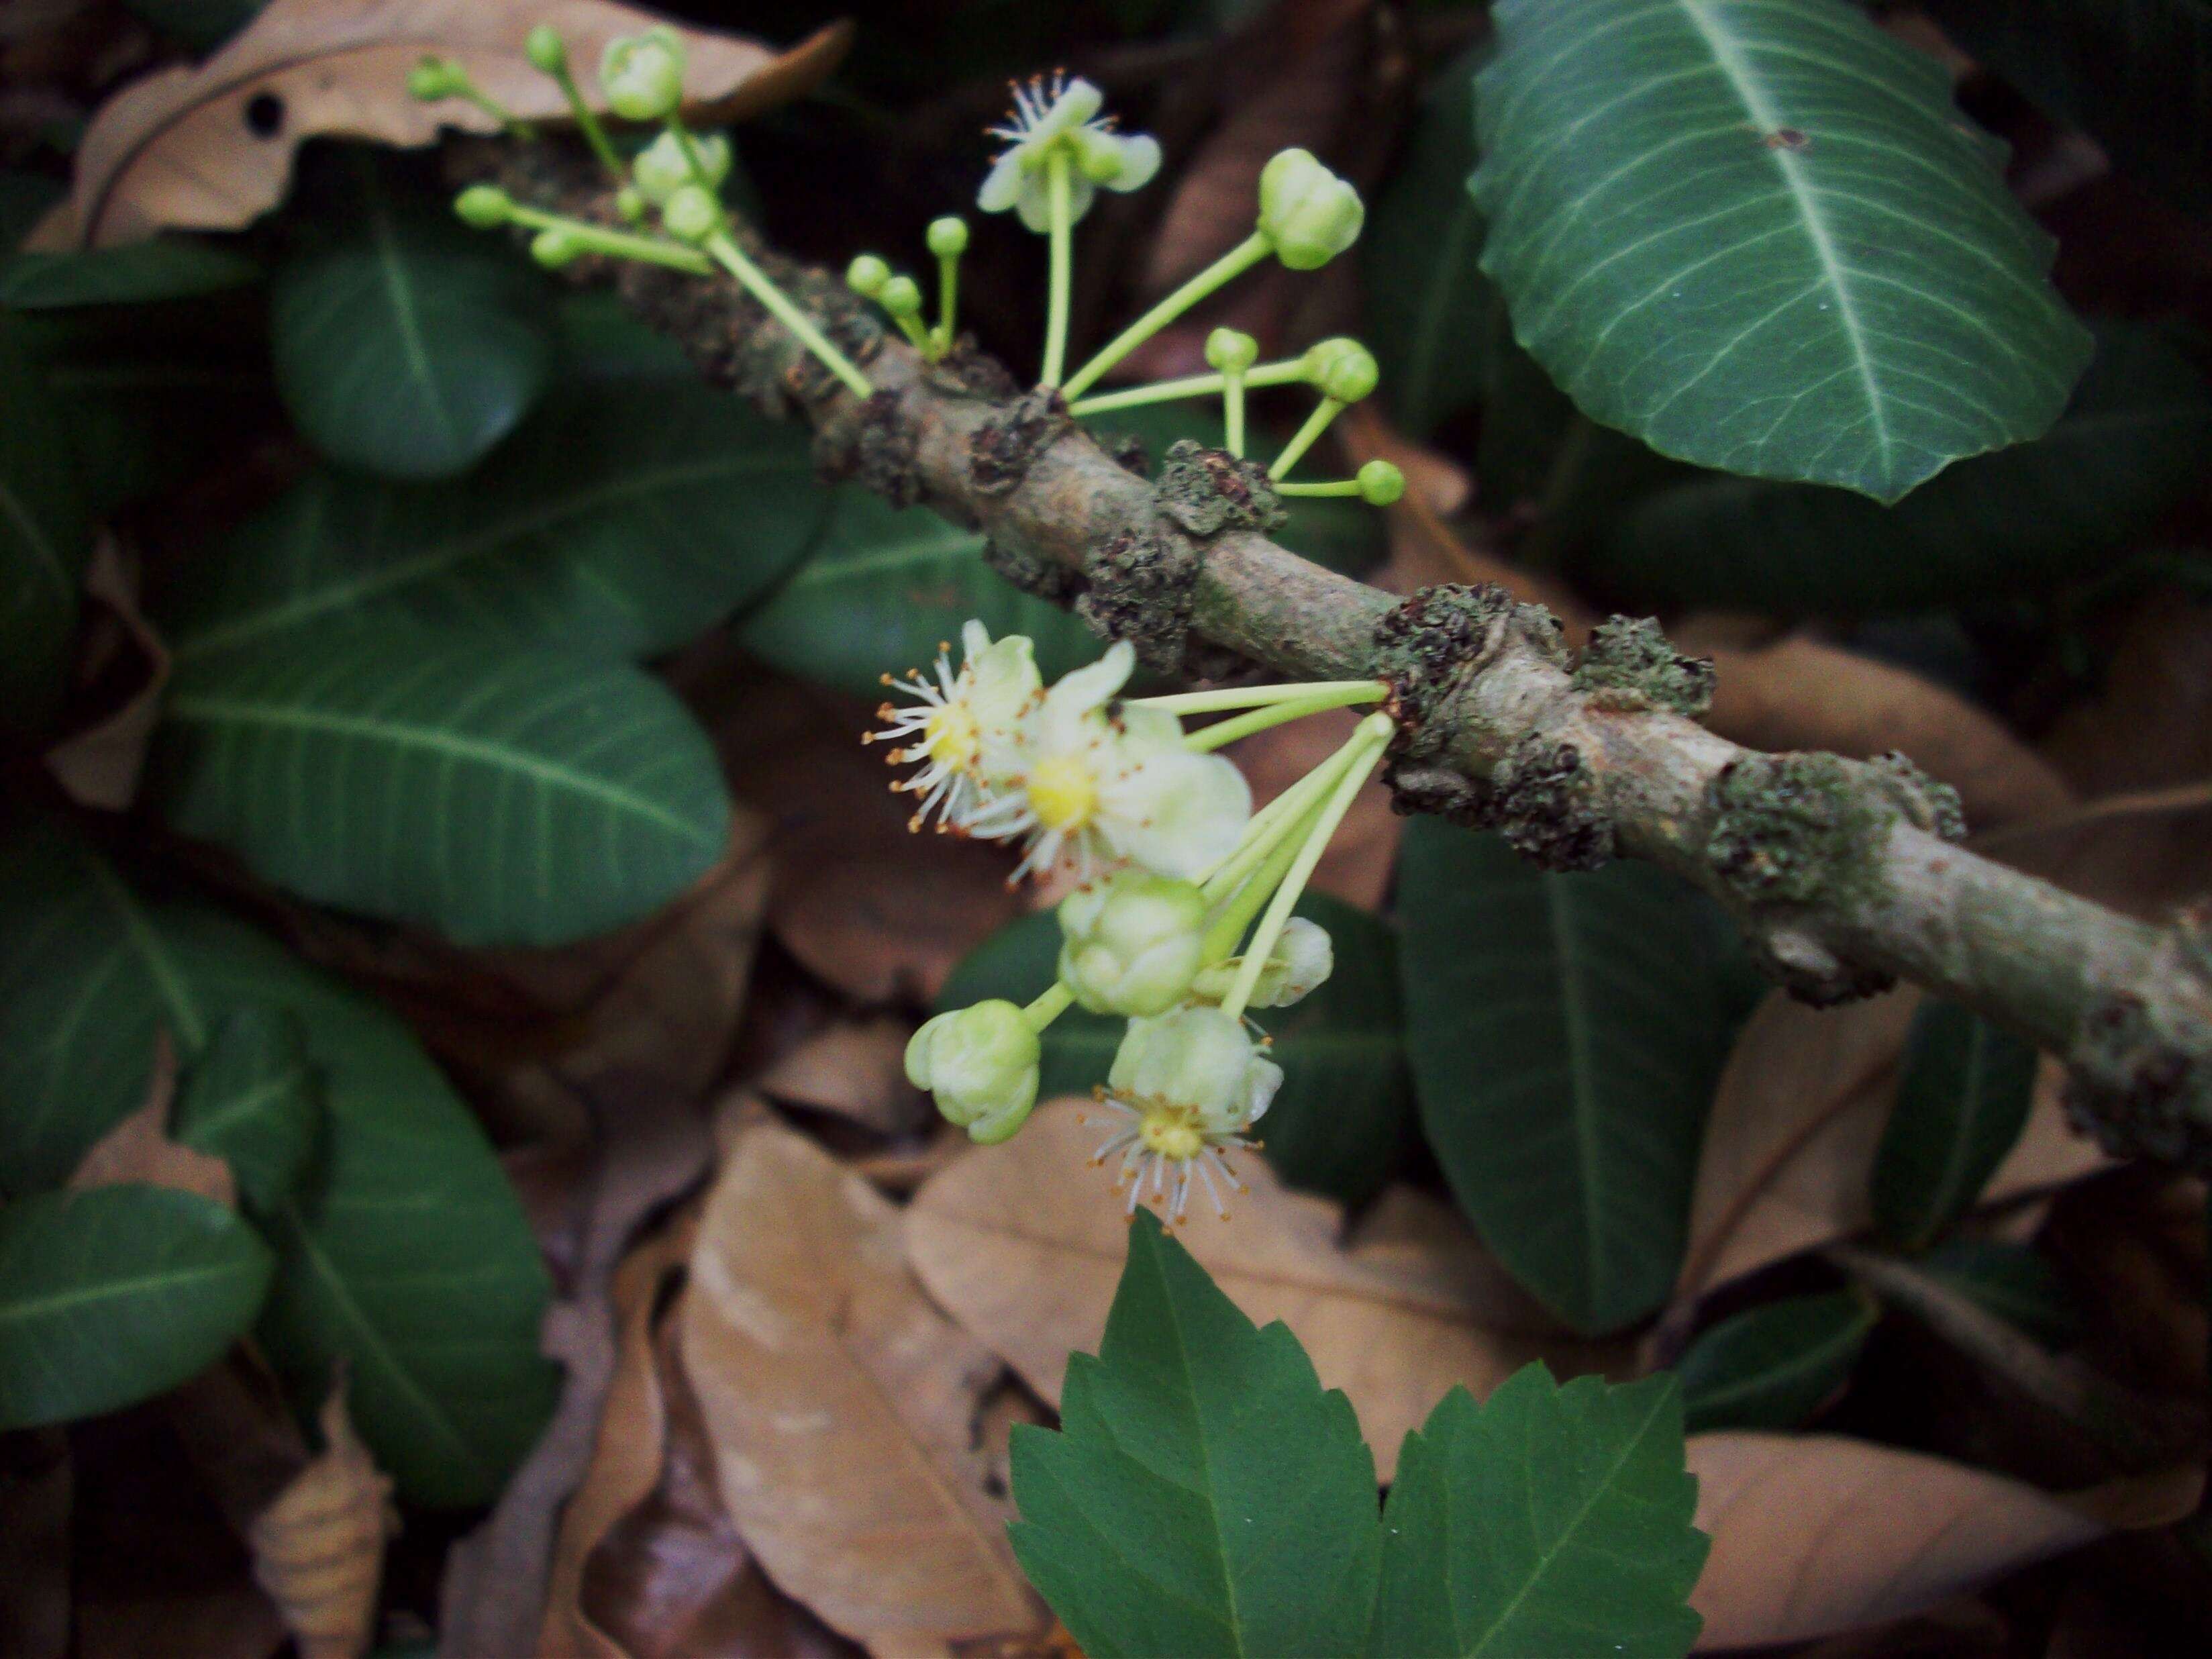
point(1171, 1132)
point(951, 735)
point(1062, 792)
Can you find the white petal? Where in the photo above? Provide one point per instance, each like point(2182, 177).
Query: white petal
point(1003, 185)
point(1070, 110)
point(975, 639)
point(1140, 161)
point(1178, 814)
point(1094, 684)
point(1081, 192)
point(1033, 203)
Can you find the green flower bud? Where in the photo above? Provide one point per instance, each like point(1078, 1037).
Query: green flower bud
point(1198, 1062)
point(1342, 368)
point(901, 296)
point(1230, 352)
point(1302, 961)
point(948, 237)
point(663, 167)
point(1309, 214)
point(431, 79)
point(1380, 483)
point(867, 276)
point(692, 213)
point(1131, 943)
point(556, 248)
point(545, 49)
point(981, 1063)
point(630, 203)
point(643, 75)
point(487, 207)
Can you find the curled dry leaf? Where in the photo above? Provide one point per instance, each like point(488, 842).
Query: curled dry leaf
point(1790, 1148)
point(840, 1405)
point(1022, 1243)
point(210, 147)
point(138, 1150)
point(318, 1549)
point(1817, 1534)
point(99, 765)
point(855, 1069)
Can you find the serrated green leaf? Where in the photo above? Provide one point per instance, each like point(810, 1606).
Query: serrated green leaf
point(501, 796)
point(1431, 313)
point(1772, 1366)
point(2134, 442)
point(1962, 1099)
point(254, 1099)
point(2136, 74)
point(112, 1295)
point(1337, 1123)
point(410, 1259)
point(164, 268)
point(2015, 1282)
point(405, 344)
point(1565, 1035)
point(1548, 1523)
point(1758, 237)
point(45, 540)
point(623, 520)
point(1204, 1495)
point(884, 588)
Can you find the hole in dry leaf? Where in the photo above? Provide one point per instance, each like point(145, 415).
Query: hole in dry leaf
point(265, 115)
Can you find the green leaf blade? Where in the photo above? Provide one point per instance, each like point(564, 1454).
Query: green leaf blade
point(112, 1295)
point(164, 268)
point(1962, 1101)
point(501, 796)
point(46, 538)
point(1565, 1034)
point(1548, 1522)
point(1204, 1495)
point(1756, 237)
point(254, 1099)
point(1771, 1367)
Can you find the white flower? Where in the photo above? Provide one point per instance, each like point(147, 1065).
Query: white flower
point(1059, 117)
point(961, 726)
point(1302, 960)
point(1131, 943)
point(1188, 1083)
point(1095, 783)
point(981, 1065)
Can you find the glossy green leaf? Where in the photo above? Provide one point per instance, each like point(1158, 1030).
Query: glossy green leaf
point(112, 1295)
point(143, 419)
point(254, 1099)
point(1565, 1034)
point(2015, 1282)
point(2136, 74)
point(1547, 1523)
point(45, 539)
point(406, 344)
point(1204, 1495)
point(1432, 314)
point(2135, 441)
point(1962, 1099)
point(165, 268)
point(1773, 1366)
point(410, 1259)
point(499, 795)
point(1338, 1121)
point(625, 518)
point(884, 587)
point(1760, 238)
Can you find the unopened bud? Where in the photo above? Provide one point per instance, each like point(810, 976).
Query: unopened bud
point(487, 207)
point(867, 276)
point(1230, 352)
point(1343, 369)
point(545, 49)
point(692, 213)
point(1306, 211)
point(901, 296)
point(643, 75)
point(948, 237)
point(556, 248)
point(1131, 943)
point(431, 79)
point(1381, 483)
point(980, 1063)
point(1199, 1060)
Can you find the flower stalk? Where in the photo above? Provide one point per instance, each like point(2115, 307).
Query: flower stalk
point(1219, 275)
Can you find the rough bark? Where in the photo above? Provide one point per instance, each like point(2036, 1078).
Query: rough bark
point(1844, 875)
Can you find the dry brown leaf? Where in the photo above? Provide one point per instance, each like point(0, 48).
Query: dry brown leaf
point(138, 1150)
point(318, 1549)
point(626, 1455)
point(855, 1069)
point(1800, 1110)
point(841, 1404)
point(99, 765)
point(1362, 853)
point(1817, 1534)
point(2143, 854)
point(2150, 723)
point(210, 147)
point(1022, 1243)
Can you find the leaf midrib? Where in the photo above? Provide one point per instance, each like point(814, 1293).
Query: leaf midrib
point(1805, 1362)
point(399, 290)
point(34, 536)
point(212, 710)
point(1574, 1016)
point(112, 1290)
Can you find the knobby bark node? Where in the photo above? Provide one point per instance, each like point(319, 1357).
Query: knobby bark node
point(1834, 866)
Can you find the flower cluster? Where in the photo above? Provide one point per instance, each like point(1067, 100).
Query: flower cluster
point(1175, 868)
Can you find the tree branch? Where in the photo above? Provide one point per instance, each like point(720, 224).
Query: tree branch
point(1843, 874)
